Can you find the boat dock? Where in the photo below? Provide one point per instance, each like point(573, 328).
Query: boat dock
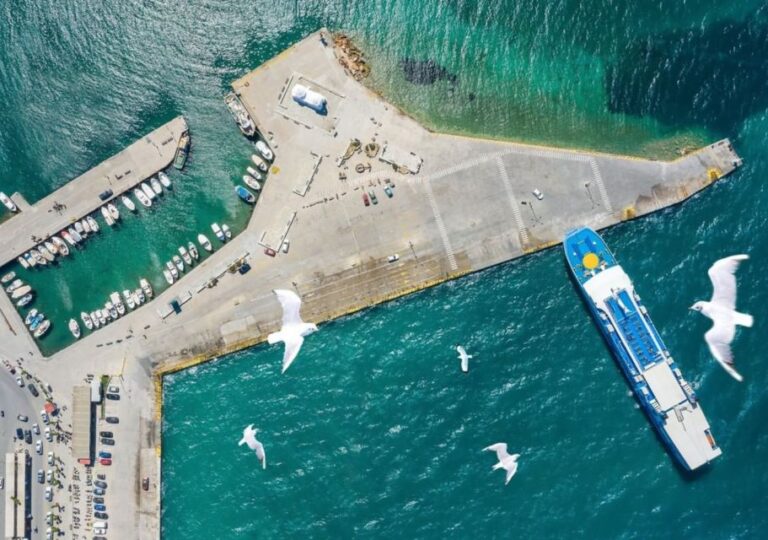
point(81, 196)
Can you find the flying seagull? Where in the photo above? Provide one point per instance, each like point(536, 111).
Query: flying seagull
point(249, 438)
point(294, 329)
point(722, 310)
point(464, 357)
point(506, 461)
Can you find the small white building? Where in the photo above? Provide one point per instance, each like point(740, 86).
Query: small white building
point(309, 98)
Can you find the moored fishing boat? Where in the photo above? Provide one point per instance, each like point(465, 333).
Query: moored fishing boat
point(226, 231)
point(61, 245)
point(117, 302)
point(74, 328)
point(186, 257)
point(8, 203)
point(182, 151)
point(156, 187)
point(79, 228)
point(39, 318)
point(43, 329)
point(139, 297)
point(93, 224)
point(87, 320)
point(25, 300)
point(30, 316)
point(146, 287)
point(8, 277)
point(263, 149)
point(240, 115)
point(51, 247)
point(30, 259)
point(21, 291)
point(129, 300)
point(251, 182)
point(172, 269)
point(75, 235)
point(68, 237)
point(101, 316)
point(148, 191)
point(143, 199)
point(204, 242)
point(259, 162)
point(23, 262)
point(14, 285)
point(128, 203)
point(107, 216)
point(164, 180)
point(113, 211)
point(111, 310)
point(665, 396)
point(47, 255)
point(245, 195)
point(168, 276)
point(254, 173)
point(178, 262)
point(86, 226)
point(193, 250)
point(38, 257)
point(217, 231)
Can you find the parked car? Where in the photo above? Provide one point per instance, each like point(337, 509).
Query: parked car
point(20, 382)
point(538, 194)
point(99, 491)
point(114, 389)
point(108, 442)
point(107, 434)
point(101, 476)
point(104, 454)
point(19, 433)
point(22, 418)
point(100, 484)
point(112, 420)
point(98, 500)
point(49, 476)
point(28, 436)
point(393, 258)
point(40, 476)
point(33, 390)
point(286, 246)
point(50, 458)
point(39, 447)
point(48, 493)
point(44, 416)
point(114, 397)
point(145, 483)
point(374, 200)
point(99, 507)
point(2, 482)
point(106, 462)
point(36, 429)
point(48, 435)
point(388, 191)
point(366, 201)
point(269, 251)
point(100, 515)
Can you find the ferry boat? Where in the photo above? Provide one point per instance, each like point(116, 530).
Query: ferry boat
point(182, 151)
point(656, 380)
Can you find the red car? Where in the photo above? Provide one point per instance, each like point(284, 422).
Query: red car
point(366, 201)
point(105, 461)
point(269, 251)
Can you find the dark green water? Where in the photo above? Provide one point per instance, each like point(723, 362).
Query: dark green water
point(374, 432)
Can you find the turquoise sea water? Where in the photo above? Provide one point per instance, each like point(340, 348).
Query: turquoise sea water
point(374, 432)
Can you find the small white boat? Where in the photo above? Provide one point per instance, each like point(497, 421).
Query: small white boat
point(178, 262)
point(24, 290)
point(75, 235)
point(74, 328)
point(128, 203)
point(143, 199)
point(172, 269)
point(146, 287)
point(23, 262)
point(8, 203)
point(80, 229)
point(226, 231)
point(86, 227)
point(47, 255)
point(263, 149)
point(139, 297)
point(218, 232)
point(61, 245)
point(204, 242)
point(148, 191)
point(102, 316)
point(259, 162)
point(38, 257)
point(113, 211)
point(8, 277)
point(164, 180)
point(26, 299)
point(129, 300)
point(95, 319)
point(50, 246)
point(110, 308)
point(30, 316)
point(30, 259)
point(68, 237)
point(193, 251)
point(107, 216)
point(42, 329)
point(156, 187)
point(87, 321)
point(117, 302)
point(168, 277)
point(251, 182)
point(185, 255)
point(93, 224)
point(256, 174)
point(13, 286)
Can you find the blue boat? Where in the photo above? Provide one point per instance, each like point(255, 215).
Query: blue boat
point(657, 382)
point(246, 195)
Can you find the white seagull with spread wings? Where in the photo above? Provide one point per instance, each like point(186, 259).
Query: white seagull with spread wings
point(464, 357)
point(722, 310)
point(294, 329)
point(506, 461)
point(249, 438)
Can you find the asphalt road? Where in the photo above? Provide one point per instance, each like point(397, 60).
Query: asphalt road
point(15, 401)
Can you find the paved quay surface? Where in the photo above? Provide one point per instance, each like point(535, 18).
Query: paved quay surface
point(80, 197)
point(470, 205)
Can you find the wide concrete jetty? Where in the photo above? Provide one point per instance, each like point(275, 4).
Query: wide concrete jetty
point(458, 205)
point(80, 197)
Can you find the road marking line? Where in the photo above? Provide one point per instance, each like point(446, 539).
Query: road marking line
point(600, 185)
point(512, 201)
point(440, 225)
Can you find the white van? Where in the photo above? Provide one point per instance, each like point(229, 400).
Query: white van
point(99, 525)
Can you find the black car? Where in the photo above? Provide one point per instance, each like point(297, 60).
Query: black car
point(100, 515)
point(99, 483)
point(112, 420)
point(108, 442)
point(115, 397)
point(98, 500)
point(33, 390)
point(28, 436)
point(107, 434)
point(19, 433)
point(105, 195)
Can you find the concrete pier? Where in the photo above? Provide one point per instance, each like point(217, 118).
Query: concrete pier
point(459, 205)
point(80, 197)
